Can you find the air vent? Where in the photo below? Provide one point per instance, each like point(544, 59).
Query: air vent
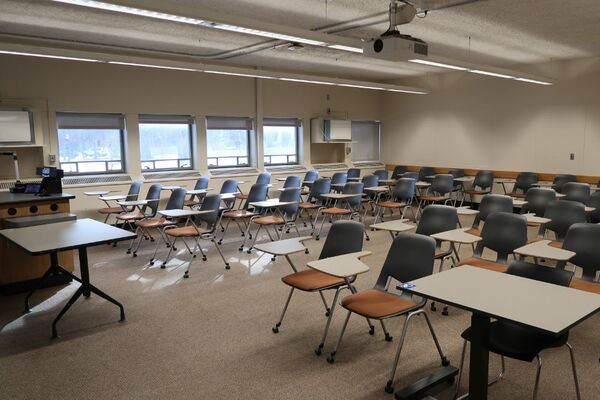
point(171, 175)
point(73, 181)
point(286, 168)
point(320, 167)
point(234, 172)
point(7, 184)
point(369, 164)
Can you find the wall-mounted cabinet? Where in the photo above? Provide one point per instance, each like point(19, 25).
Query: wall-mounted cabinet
point(326, 130)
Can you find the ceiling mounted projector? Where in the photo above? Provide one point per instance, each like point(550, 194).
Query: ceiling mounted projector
point(392, 45)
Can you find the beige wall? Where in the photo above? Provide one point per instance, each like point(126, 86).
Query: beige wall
point(484, 122)
point(53, 85)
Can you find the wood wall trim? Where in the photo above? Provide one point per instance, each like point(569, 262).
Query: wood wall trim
point(543, 176)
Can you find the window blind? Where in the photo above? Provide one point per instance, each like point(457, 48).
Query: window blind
point(90, 121)
point(229, 123)
point(365, 134)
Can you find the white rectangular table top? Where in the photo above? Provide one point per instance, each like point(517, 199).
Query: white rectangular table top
point(115, 197)
point(377, 189)
point(457, 236)
point(272, 203)
point(97, 193)
point(43, 239)
point(548, 307)
point(342, 266)
point(170, 187)
point(133, 203)
point(466, 210)
point(340, 196)
point(354, 179)
point(396, 225)
point(560, 195)
point(283, 247)
point(282, 179)
point(183, 213)
point(542, 249)
point(534, 219)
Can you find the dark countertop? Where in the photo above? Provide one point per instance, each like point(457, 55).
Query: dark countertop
point(14, 198)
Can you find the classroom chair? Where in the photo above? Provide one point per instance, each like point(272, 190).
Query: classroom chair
point(490, 203)
point(403, 193)
point(410, 257)
point(148, 210)
point(292, 182)
point(562, 214)
point(577, 191)
point(315, 200)
point(411, 175)
point(509, 339)
point(424, 172)
point(398, 171)
point(264, 178)
point(482, 185)
point(308, 180)
point(132, 195)
point(382, 174)
point(349, 206)
point(353, 173)
point(537, 200)
point(338, 178)
point(193, 229)
point(439, 191)
point(594, 202)
point(559, 181)
point(370, 181)
point(524, 182)
point(196, 199)
point(229, 186)
point(258, 192)
point(584, 240)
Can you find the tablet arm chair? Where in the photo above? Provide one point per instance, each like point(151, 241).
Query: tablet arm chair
point(584, 240)
point(490, 204)
point(537, 200)
point(353, 173)
point(264, 178)
point(425, 172)
point(292, 182)
point(339, 178)
point(410, 257)
point(411, 175)
point(229, 186)
point(594, 202)
point(518, 342)
point(439, 191)
point(562, 214)
point(370, 181)
point(310, 177)
point(349, 206)
point(403, 193)
point(315, 201)
point(398, 171)
point(524, 181)
point(193, 229)
point(382, 174)
point(196, 199)
point(560, 180)
point(148, 210)
point(482, 185)
point(132, 195)
point(577, 191)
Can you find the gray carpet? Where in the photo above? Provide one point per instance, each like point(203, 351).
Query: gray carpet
point(209, 337)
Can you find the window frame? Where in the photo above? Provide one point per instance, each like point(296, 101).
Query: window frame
point(374, 121)
point(167, 119)
point(249, 155)
point(298, 126)
point(122, 144)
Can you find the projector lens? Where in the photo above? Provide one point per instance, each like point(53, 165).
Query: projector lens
point(378, 45)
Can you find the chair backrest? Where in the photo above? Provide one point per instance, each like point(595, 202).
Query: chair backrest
point(411, 175)
point(319, 187)
point(502, 233)
point(353, 173)
point(339, 177)
point(404, 189)
point(202, 183)
point(563, 214)
point(353, 188)
point(290, 194)
point(258, 192)
point(424, 172)
point(577, 191)
point(456, 172)
point(153, 196)
point(594, 202)
point(370, 181)
point(493, 203)
point(134, 191)
point(538, 199)
point(344, 237)
point(584, 239)
point(437, 218)
point(211, 202)
point(524, 181)
point(442, 184)
point(484, 180)
point(399, 170)
point(311, 175)
point(229, 186)
point(292, 182)
point(176, 199)
point(540, 273)
point(410, 257)
point(560, 180)
point(264, 178)
point(382, 174)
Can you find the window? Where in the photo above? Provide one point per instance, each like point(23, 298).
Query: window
point(165, 142)
point(280, 140)
point(90, 143)
point(365, 138)
point(228, 141)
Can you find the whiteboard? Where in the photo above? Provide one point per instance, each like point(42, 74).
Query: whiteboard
point(16, 127)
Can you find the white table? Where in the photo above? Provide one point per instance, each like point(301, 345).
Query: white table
point(97, 193)
point(115, 197)
point(394, 226)
point(340, 196)
point(180, 213)
point(534, 219)
point(465, 179)
point(387, 181)
point(489, 294)
point(198, 191)
point(61, 236)
point(542, 249)
point(457, 236)
point(284, 248)
point(271, 203)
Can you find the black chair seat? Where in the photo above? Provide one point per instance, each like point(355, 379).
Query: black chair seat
point(518, 342)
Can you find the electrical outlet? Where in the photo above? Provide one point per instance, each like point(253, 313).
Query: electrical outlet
point(572, 156)
point(52, 158)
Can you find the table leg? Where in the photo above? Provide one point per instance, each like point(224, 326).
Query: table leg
point(478, 365)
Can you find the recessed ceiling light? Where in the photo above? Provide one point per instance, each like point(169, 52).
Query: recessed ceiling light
point(238, 74)
point(152, 66)
point(480, 72)
point(306, 81)
point(437, 64)
point(19, 53)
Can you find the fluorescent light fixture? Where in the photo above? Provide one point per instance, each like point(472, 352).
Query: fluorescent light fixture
point(239, 74)
point(346, 48)
point(405, 91)
point(350, 85)
point(480, 72)
point(437, 64)
point(152, 66)
point(19, 53)
point(533, 81)
point(306, 81)
point(271, 35)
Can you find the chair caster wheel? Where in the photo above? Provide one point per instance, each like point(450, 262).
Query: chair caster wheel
point(220, 242)
point(243, 235)
point(445, 311)
point(163, 266)
point(249, 251)
point(388, 338)
point(306, 251)
point(174, 248)
point(272, 258)
point(327, 313)
point(367, 238)
point(240, 248)
point(317, 238)
point(275, 329)
point(185, 276)
point(331, 358)
point(194, 256)
point(445, 362)
point(389, 388)
point(128, 251)
point(152, 239)
point(114, 245)
point(372, 330)
point(134, 254)
point(250, 236)
point(227, 266)
point(167, 245)
point(433, 307)
point(318, 351)
point(204, 258)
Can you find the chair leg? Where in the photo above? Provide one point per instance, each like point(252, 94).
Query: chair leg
point(319, 348)
point(389, 386)
point(388, 338)
point(445, 361)
point(224, 229)
point(331, 358)
point(321, 227)
point(460, 369)
point(537, 376)
point(164, 263)
point(287, 303)
point(220, 253)
point(253, 241)
point(327, 310)
point(574, 370)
